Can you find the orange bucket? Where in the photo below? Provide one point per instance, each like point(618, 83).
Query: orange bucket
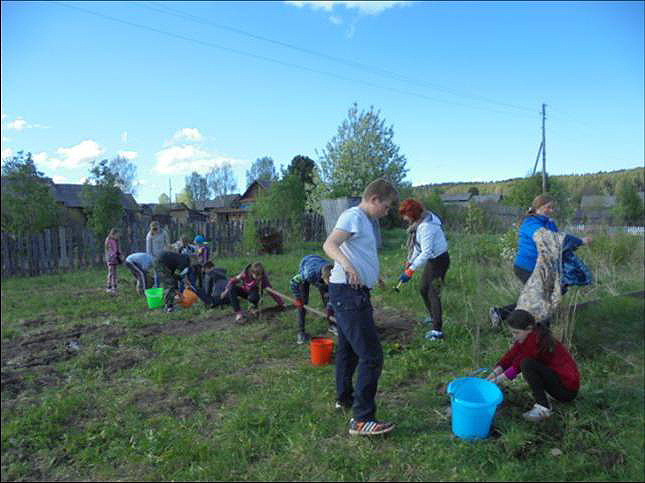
point(188, 297)
point(321, 349)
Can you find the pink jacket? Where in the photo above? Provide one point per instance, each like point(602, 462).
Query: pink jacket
point(112, 251)
point(249, 283)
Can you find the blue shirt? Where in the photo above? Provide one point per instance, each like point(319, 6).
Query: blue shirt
point(526, 249)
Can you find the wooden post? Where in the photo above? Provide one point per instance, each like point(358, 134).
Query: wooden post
point(306, 307)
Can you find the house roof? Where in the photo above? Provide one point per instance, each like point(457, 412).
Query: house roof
point(597, 201)
point(455, 197)
point(70, 196)
point(490, 198)
point(261, 182)
point(224, 201)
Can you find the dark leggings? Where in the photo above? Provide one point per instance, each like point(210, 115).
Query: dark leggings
point(542, 378)
point(253, 296)
point(431, 283)
point(523, 275)
point(304, 290)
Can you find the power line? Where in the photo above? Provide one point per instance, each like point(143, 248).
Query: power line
point(276, 61)
point(351, 63)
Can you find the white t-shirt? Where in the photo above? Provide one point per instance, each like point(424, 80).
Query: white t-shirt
point(360, 248)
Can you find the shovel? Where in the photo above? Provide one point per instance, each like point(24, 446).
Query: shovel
point(397, 288)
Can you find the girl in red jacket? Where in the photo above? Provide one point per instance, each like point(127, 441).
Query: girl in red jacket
point(546, 364)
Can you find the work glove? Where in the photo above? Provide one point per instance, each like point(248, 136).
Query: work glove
point(406, 276)
point(299, 303)
point(329, 312)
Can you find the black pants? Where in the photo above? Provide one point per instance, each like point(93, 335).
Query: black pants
point(139, 274)
point(523, 275)
point(304, 290)
point(542, 378)
point(358, 349)
point(432, 281)
point(253, 296)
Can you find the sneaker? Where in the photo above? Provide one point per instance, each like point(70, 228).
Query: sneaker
point(427, 321)
point(239, 317)
point(434, 335)
point(333, 328)
point(494, 317)
point(340, 405)
point(369, 428)
point(169, 309)
point(538, 413)
point(302, 338)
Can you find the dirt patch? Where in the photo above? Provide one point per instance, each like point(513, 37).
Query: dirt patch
point(150, 403)
point(393, 325)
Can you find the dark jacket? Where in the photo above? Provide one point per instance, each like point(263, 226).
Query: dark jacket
point(574, 271)
point(309, 272)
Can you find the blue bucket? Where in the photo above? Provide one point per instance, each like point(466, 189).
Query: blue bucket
point(473, 403)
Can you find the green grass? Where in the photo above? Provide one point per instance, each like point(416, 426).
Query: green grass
point(190, 396)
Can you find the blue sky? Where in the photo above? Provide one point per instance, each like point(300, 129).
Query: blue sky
point(183, 86)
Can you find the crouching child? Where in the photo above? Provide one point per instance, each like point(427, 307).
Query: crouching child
point(545, 363)
point(314, 270)
point(175, 267)
point(139, 264)
point(249, 284)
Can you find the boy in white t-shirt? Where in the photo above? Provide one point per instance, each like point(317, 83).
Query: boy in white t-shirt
point(353, 247)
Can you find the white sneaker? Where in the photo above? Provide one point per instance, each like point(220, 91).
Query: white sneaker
point(537, 414)
point(494, 317)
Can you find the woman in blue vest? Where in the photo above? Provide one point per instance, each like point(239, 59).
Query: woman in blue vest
point(538, 216)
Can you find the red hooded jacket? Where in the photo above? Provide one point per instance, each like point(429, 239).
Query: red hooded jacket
point(559, 360)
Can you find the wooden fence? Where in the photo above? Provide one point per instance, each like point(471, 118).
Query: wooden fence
point(72, 247)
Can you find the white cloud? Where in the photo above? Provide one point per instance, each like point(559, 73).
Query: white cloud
point(129, 155)
point(17, 124)
point(82, 180)
point(186, 159)
point(6, 153)
point(75, 156)
point(335, 20)
point(364, 7)
point(40, 157)
point(187, 134)
point(59, 179)
point(124, 137)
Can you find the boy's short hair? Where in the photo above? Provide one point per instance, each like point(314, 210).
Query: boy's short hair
point(382, 189)
point(325, 272)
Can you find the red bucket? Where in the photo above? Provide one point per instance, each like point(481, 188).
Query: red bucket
point(321, 350)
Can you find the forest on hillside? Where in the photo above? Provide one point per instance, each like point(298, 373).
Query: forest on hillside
point(576, 185)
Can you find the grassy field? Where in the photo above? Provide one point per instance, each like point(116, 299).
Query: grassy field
point(96, 387)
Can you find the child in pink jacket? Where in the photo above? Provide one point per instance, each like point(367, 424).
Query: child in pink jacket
point(112, 258)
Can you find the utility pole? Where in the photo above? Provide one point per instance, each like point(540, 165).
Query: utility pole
point(169, 191)
point(543, 150)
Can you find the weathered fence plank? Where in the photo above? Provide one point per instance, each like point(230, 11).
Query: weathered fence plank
point(72, 247)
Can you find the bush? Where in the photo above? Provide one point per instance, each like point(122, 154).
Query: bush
point(615, 249)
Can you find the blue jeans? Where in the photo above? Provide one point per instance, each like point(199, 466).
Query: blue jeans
point(358, 348)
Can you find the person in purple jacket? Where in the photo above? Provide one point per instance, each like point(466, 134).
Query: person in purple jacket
point(112, 259)
point(249, 285)
point(537, 217)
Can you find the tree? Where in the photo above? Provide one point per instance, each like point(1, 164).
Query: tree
point(164, 199)
point(125, 173)
point(185, 197)
point(303, 167)
point(629, 207)
point(196, 187)
point(473, 190)
point(361, 151)
point(28, 205)
point(286, 199)
point(261, 169)
point(221, 180)
point(523, 192)
point(103, 199)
